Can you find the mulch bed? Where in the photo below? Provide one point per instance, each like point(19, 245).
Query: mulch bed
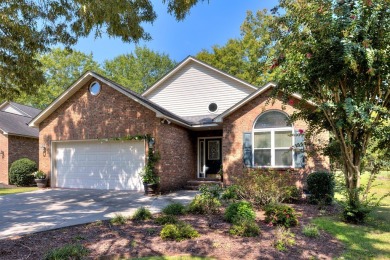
point(107, 241)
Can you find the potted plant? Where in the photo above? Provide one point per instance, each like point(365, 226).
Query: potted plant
point(149, 177)
point(150, 180)
point(40, 179)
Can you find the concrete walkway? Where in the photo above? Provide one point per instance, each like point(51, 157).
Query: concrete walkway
point(41, 210)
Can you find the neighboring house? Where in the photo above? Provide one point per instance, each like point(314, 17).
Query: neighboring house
point(202, 120)
point(17, 139)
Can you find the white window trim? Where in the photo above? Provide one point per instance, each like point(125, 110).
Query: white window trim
point(272, 131)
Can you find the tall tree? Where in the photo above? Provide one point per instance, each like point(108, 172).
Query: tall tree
point(337, 54)
point(250, 56)
point(30, 27)
point(139, 70)
point(61, 68)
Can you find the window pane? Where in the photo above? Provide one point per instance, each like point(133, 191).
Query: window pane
point(263, 157)
point(272, 119)
point(263, 140)
point(283, 139)
point(283, 157)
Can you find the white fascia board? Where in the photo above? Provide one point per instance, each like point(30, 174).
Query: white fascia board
point(60, 100)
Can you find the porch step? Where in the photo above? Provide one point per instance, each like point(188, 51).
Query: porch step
point(195, 184)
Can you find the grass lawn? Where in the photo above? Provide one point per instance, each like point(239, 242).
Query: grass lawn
point(6, 191)
point(369, 241)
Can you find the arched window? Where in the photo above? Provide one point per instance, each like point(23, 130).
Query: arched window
point(273, 140)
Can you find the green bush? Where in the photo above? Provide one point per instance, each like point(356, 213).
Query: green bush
point(230, 193)
point(281, 215)
point(292, 194)
point(21, 172)
point(142, 214)
point(204, 204)
point(262, 187)
point(174, 209)
point(178, 232)
point(311, 230)
point(240, 211)
point(213, 190)
point(166, 219)
point(71, 251)
point(321, 187)
point(355, 215)
point(283, 238)
point(246, 228)
point(118, 219)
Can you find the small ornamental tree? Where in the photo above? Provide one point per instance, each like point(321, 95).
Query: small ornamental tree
point(336, 53)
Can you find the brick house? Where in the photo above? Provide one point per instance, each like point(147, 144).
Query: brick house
point(17, 140)
point(202, 121)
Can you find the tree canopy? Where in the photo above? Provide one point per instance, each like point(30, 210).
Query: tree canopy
point(60, 68)
point(250, 56)
point(337, 55)
point(29, 28)
point(138, 70)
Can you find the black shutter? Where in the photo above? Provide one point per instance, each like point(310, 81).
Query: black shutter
point(247, 149)
point(299, 154)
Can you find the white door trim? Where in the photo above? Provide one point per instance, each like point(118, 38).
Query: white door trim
point(198, 172)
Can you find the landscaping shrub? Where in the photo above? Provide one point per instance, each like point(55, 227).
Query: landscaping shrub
point(174, 209)
point(292, 194)
point(262, 186)
point(311, 230)
point(281, 215)
point(283, 238)
point(355, 215)
point(230, 193)
point(20, 172)
point(321, 187)
point(178, 232)
point(246, 228)
point(240, 211)
point(118, 219)
point(71, 251)
point(166, 219)
point(142, 214)
point(204, 204)
point(213, 190)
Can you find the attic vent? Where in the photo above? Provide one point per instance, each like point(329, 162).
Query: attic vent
point(213, 107)
point(95, 88)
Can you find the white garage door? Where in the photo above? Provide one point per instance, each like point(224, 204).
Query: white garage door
point(99, 165)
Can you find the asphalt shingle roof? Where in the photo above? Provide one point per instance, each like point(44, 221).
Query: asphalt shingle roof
point(14, 124)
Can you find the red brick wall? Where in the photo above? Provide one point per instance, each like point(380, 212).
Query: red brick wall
point(4, 159)
point(242, 121)
point(112, 114)
point(16, 147)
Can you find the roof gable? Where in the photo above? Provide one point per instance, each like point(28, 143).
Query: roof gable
point(185, 62)
point(160, 112)
point(19, 109)
point(190, 88)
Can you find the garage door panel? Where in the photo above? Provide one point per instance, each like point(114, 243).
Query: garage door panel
point(96, 165)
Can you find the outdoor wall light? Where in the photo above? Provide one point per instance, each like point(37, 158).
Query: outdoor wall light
point(151, 142)
point(43, 148)
point(2, 154)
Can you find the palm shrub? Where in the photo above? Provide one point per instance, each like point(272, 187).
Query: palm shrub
point(141, 214)
point(174, 209)
point(21, 172)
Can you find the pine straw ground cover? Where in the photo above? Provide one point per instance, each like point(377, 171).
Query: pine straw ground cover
point(138, 239)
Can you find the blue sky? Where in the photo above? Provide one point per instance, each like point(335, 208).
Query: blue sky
point(209, 23)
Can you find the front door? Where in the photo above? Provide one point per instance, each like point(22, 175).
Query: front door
point(209, 157)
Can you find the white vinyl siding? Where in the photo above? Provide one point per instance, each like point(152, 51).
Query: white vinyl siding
point(190, 91)
point(105, 165)
point(10, 109)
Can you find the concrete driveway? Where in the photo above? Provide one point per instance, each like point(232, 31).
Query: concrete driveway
point(47, 209)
